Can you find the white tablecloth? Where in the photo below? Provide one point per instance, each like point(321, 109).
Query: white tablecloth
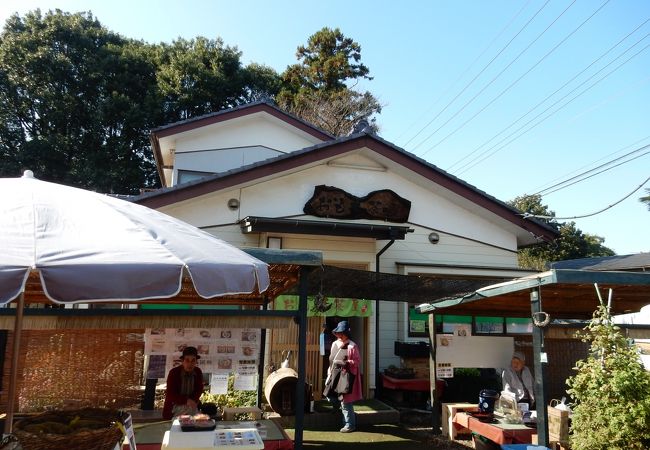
point(240, 438)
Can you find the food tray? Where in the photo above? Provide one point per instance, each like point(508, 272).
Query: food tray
point(212, 425)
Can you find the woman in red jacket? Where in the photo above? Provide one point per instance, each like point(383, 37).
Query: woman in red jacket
point(345, 354)
point(184, 386)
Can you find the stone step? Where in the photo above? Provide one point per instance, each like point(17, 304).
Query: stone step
point(329, 420)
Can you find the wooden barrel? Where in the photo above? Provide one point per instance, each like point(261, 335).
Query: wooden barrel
point(280, 391)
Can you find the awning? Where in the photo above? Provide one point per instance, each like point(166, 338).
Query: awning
point(566, 294)
point(254, 224)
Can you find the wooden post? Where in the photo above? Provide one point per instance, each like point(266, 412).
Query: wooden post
point(302, 358)
point(435, 403)
point(539, 361)
point(13, 377)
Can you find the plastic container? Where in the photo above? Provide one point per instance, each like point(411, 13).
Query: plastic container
point(486, 400)
point(523, 447)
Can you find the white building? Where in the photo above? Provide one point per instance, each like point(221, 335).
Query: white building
point(258, 163)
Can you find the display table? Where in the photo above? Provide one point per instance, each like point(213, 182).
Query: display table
point(271, 433)
point(501, 433)
point(449, 410)
point(223, 437)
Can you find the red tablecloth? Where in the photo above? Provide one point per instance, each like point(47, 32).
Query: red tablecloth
point(501, 433)
point(279, 440)
point(285, 444)
point(408, 384)
point(411, 384)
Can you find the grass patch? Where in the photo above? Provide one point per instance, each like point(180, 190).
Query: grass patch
point(367, 405)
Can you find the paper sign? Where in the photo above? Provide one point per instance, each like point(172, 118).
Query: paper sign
point(219, 383)
point(444, 370)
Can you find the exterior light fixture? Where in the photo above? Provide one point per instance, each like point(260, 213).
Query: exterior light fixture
point(434, 238)
point(233, 204)
point(274, 242)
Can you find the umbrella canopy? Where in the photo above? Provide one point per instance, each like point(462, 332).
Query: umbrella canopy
point(91, 247)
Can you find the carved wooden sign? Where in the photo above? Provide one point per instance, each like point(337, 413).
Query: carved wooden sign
point(335, 203)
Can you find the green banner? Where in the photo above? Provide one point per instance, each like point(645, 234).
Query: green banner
point(342, 307)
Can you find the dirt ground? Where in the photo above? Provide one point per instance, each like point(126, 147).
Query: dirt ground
point(412, 433)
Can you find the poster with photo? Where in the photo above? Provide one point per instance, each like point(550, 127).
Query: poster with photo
point(156, 366)
point(224, 363)
point(226, 349)
point(226, 334)
point(250, 336)
point(156, 345)
point(203, 349)
point(206, 364)
point(206, 334)
point(249, 350)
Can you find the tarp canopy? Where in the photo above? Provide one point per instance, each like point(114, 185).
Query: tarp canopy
point(565, 294)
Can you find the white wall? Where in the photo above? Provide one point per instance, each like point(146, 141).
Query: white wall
point(466, 238)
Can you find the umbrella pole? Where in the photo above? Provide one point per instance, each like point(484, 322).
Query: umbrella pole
point(18, 328)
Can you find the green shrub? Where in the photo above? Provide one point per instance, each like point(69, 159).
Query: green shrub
point(233, 398)
point(611, 391)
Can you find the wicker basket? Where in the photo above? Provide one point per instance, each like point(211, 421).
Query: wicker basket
point(80, 429)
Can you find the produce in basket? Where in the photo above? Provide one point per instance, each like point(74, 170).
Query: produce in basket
point(87, 428)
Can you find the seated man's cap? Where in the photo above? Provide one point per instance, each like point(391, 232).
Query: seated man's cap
point(190, 351)
point(520, 356)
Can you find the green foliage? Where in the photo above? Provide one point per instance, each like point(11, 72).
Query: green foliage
point(572, 243)
point(327, 62)
point(76, 103)
point(316, 88)
point(233, 398)
point(201, 76)
point(611, 391)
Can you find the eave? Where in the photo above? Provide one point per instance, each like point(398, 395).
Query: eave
point(254, 224)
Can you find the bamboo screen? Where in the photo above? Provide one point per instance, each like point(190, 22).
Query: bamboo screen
point(59, 368)
point(285, 340)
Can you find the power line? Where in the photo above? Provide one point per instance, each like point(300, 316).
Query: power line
point(598, 173)
point(593, 162)
point(460, 77)
point(476, 161)
point(559, 185)
point(481, 72)
point(517, 80)
point(555, 92)
point(529, 216)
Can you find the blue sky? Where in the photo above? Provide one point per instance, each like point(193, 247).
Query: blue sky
point(460, 81)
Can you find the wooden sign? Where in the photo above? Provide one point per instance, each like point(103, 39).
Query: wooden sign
point(335, 203)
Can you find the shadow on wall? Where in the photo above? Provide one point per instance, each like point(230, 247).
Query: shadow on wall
point(467, 383)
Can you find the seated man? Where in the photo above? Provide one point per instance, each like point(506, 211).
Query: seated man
point(518, 380)
point(184, 386)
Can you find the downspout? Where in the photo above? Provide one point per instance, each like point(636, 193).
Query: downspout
point(377, 378)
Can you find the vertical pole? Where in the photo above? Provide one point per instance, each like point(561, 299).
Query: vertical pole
point(377, 374)
point(302, 358)
point(540, 360)
point(435, 403)
point(11, 399)
point(262, 362)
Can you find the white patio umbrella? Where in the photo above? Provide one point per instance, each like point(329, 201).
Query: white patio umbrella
point(89, 247)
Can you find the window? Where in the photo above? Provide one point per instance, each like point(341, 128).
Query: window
point(488, 325)
point(517, 325)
